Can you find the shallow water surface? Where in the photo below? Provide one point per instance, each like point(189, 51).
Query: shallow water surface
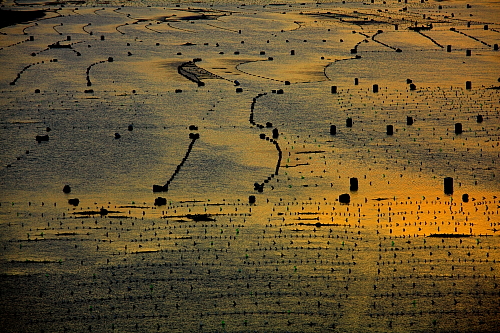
point(293, 104)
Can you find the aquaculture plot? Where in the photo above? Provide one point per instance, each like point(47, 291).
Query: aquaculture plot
point(328, 168)
point(294, 266)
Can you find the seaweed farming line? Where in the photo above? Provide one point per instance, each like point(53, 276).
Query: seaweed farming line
point(194, 293)
point(275, 134)
point(25, 28)
point(121, 25)
point(57, 25)
point(18, 43)
point(430, 38)
point(252, 108)
point(25, 68)
point(98, 9)
point(227, 29)
point(331, 63)
point(259, 76)
point(177, 28)
point(436, 294)
point(382, 43)
point(472, 37)
point(89, 83)
point(75, 11)
point(147, 26)
point(84, 28)
point(95, 318)
point(164, 188)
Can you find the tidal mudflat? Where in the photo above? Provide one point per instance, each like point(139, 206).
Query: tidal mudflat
point(250, 167)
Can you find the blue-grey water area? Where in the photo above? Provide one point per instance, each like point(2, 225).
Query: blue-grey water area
point(317, 167)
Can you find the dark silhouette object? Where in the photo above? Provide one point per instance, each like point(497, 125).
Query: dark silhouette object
point(468, 53)
point(158, 188)
point(448, 185)
point(468, 85)
point(356, 81)
point(375, 88)
point(334, 89)
point(275, 133)
point(413, 86)
point(353, 184)
point(348, 122)
point(465, 197)
point(292, 52)
point(160, 201)
point(390, 130)
point(251, 199)
point(130, 127)
point(258, 187)
point(110, 59)
point(239, 90)
point(117, 135)
point(280, 156)
point(40, 138)
point(200, 217)
point(37, 91)
point(409, 120)
point(280, 91)
point(74, 202)
point(164, 188)
point(448, 48)
point(67, 189)
point(479, 118)
point(344, 198)
point(269, 124)
point(193, 128)
point(102, 37)
point(495, 47)
point(287, 83)
point(458, 128)
point(333, 129)
point(57, 45)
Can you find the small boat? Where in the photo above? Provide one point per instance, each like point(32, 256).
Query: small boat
point(57, 45)
point(420, 28)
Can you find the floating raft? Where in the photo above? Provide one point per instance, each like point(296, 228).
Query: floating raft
point(420, 28)
point(56, 45)
point(195, 73)
point(449, 235)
